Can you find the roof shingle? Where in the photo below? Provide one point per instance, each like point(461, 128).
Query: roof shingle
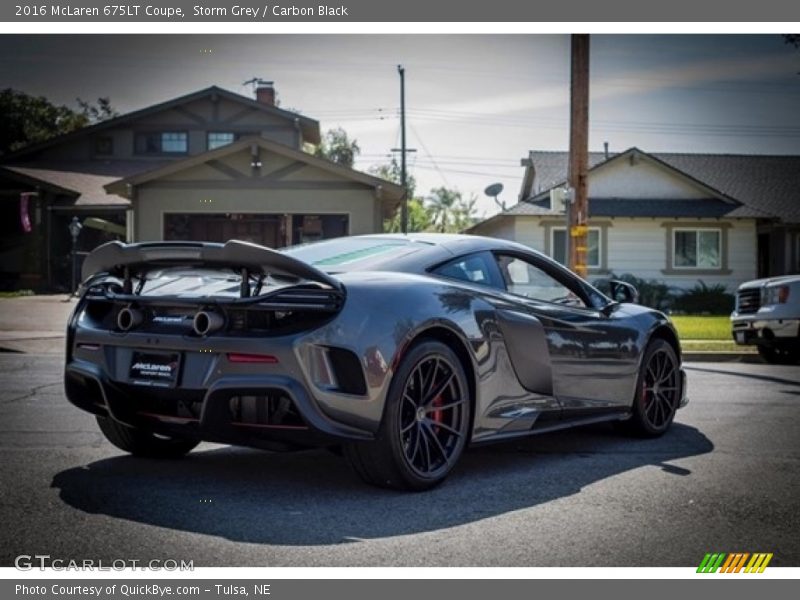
point(767, 185)
point(85, 178)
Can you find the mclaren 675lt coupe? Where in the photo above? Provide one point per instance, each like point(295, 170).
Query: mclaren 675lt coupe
point(398, 351)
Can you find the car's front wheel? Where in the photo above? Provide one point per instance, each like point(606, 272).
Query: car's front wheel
point(425, 424)
point(779, 356)
point(144, 443)
point(658, 391)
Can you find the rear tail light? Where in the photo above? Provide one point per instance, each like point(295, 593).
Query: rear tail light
point(238, 357)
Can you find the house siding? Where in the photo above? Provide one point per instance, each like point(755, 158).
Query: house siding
point(641, 179)
point(529, 231)
point(639, 247)
point(177, 193)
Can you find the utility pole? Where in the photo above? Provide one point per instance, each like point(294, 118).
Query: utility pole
point(403, 176)
point(579, 154)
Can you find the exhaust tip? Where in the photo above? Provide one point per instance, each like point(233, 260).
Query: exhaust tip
point(207, 322)
point(128, 317)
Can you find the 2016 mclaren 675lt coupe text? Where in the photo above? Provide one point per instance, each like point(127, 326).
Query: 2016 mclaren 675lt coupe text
point(399, 350)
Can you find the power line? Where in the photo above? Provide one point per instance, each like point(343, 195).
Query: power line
point(430, 156)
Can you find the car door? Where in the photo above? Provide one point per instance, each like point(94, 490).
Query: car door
point(592, 352)
point(533, 398)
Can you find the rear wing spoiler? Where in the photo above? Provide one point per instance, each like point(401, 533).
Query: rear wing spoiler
point(122, 260)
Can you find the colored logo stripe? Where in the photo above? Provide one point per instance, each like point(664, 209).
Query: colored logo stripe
point(711, 562)
point(734, 562)
point(758, 563)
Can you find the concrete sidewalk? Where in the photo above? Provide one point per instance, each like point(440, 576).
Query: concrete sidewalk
point(34, 324)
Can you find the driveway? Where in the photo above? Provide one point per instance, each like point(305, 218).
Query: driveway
point(725, 478)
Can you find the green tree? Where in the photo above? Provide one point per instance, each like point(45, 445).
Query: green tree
point(419, 218)
point(99, 111)
point(338, 147)
point(451, 213)
point(30, 119)
point(391, 172)
point(464, 216)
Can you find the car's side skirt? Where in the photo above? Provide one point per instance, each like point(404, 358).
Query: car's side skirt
point(545, 427)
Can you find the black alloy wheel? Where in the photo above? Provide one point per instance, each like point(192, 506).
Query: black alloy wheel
point(658, 393)
point(425, 424)
point(432, 416)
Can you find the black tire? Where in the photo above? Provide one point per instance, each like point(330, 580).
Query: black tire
point(658, 392)
point(425, 423)
point(143, 443)
point(779, 356)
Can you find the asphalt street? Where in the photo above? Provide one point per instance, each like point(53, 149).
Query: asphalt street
point(725, 478)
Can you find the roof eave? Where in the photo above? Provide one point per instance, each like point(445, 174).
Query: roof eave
point(388, 191)
point(310, 128)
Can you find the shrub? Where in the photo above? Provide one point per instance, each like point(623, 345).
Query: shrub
point(652, 293)
point(705, 299)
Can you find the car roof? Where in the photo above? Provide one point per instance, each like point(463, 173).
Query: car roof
point(456, 243)
point(425, 250)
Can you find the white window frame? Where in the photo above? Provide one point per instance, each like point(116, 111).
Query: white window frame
point(599, 245)
point(696, 230)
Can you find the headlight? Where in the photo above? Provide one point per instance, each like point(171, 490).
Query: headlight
point(776, 295)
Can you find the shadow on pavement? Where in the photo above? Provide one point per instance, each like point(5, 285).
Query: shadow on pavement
point(769, 378)
point(311, 497)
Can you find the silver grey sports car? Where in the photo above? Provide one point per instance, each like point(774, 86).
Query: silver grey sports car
point(397, 350)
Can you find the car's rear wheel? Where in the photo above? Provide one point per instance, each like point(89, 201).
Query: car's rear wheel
point(658, 391)
point(144, 443)
point(425, 424)
point(779, 356)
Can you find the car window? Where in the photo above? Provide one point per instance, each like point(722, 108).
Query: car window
point(473, 269)
point(526, 279)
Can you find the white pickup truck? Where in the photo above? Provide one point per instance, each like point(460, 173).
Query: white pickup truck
point(767, 314)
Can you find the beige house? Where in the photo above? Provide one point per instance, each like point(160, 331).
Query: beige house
point(212, 165)
point(676, 218)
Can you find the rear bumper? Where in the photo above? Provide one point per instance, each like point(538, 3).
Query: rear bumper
point(206, 413)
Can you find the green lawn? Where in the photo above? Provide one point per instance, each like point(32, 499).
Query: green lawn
point(703, 328)
point(715, 346)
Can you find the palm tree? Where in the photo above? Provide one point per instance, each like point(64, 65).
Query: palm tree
point(443, 203)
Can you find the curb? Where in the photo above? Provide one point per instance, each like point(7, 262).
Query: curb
point(713, 356)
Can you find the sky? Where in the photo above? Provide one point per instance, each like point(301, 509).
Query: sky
point(476, 104)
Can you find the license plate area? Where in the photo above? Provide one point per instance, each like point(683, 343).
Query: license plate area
point(740, 337)
point(155, 369)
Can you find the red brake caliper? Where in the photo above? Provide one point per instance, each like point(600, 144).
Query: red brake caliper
point(437, 414)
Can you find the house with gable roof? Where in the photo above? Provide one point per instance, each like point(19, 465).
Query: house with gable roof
point(673, 217)
point(211, 165)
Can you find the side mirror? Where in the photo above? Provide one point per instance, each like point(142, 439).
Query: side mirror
point(622, 291)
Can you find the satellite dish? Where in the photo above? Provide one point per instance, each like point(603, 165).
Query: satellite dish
point(493, 191)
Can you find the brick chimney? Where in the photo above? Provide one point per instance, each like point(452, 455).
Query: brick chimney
point(265, 93)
